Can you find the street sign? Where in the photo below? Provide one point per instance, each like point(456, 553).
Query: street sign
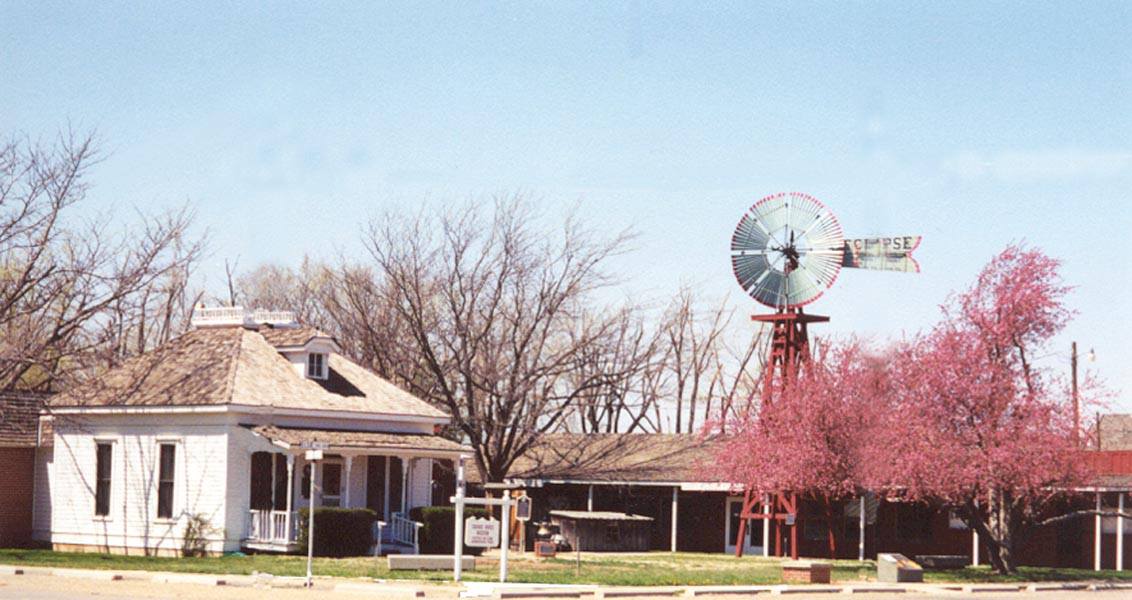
point(314, 445)
point(314, 455)
point(523, 508)
point(481, 533)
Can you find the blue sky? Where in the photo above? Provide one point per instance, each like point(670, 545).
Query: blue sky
point(973, 124)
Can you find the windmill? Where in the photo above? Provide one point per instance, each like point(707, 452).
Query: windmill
point(786, 251)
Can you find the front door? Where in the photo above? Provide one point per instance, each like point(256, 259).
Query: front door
point(753, 541)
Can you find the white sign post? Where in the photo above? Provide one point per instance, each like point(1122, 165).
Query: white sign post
point(479, 529)
point(312, 456)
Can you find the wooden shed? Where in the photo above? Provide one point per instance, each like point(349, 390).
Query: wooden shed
point(602, 531)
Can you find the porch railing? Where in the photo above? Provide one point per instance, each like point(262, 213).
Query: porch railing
point(405, 531)
point(275, 526)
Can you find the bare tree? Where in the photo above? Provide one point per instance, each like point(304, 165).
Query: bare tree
point(72, 291)
point(278, 287)
point(495, 317)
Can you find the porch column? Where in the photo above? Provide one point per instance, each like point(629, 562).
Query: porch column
point(1097, 536)
point(406, 466)
point(290, 492)
point(1120, 532)
point(590, 499)
point(675, 495)
point(349, 460)
point(766, 527)
point(861, 531)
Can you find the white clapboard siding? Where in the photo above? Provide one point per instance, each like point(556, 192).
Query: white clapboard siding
point(200, 482)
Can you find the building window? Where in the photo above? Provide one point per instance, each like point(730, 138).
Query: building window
point(104, 454)
point(165, 481)
point(316, 366)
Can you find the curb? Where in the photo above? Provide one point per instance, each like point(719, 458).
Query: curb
point(88, 574)
point(872, 589)
point(729, 590)
point(780, 590)
point(639, 592)
point(379, 590)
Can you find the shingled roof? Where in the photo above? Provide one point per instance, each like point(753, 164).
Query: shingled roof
point(236, 365)
point(368, 440)
point(620, 457)
point(19, 418)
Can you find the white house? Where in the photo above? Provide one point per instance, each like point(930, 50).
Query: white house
point(215, 423)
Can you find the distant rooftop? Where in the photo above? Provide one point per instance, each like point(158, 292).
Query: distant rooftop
point(233, 316)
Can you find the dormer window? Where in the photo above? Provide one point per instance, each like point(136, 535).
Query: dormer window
point(316, 365)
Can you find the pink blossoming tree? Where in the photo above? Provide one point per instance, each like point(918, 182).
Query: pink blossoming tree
point(812, 437)
point(974, 424)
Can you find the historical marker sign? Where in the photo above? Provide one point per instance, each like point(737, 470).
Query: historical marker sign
point(481, 533)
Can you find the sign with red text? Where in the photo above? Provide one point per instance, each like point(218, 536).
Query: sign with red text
point(882, 253)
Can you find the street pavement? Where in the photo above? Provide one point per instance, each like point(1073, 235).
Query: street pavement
point(45, 587)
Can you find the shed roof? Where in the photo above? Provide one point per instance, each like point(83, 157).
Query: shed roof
point(619, 457)
point(338, 439)
point(240, 366)
point(597, 515)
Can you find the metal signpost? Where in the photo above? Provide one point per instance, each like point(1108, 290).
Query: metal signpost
point(481, 531)
point(522, 515)
point(312, 455)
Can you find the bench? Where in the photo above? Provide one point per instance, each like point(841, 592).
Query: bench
point(428, 562)
point(805, 571)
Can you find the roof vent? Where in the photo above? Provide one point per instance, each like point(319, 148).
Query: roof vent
point(234, 316)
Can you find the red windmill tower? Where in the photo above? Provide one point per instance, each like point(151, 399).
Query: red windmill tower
point(785, 252)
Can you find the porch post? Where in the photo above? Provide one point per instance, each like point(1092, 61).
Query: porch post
point(290, 493)
point(1120, 532)
point(406, 466)
point(1097, 536)
point(861, 531)
point(590, 499)
point(349, 459)
point(675, 494)
point(766, 527)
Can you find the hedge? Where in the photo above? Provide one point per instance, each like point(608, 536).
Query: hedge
point(439, 532)
point(338, 532)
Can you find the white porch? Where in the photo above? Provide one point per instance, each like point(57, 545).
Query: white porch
point(363, 473)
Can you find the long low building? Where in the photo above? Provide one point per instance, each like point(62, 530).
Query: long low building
point(670, 478)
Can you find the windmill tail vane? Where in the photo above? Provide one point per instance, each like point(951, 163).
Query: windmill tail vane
point(882, 253)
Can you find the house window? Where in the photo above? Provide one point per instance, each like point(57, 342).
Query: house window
point(103, 455)
point(165, 481)
point(316, 366)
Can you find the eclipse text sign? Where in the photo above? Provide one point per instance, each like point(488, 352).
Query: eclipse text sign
point(882, 253)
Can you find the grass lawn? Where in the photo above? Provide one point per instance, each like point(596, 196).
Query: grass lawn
point(658, 568)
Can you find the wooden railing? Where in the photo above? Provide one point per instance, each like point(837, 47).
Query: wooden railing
point(405, 531)
point(276, 526)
